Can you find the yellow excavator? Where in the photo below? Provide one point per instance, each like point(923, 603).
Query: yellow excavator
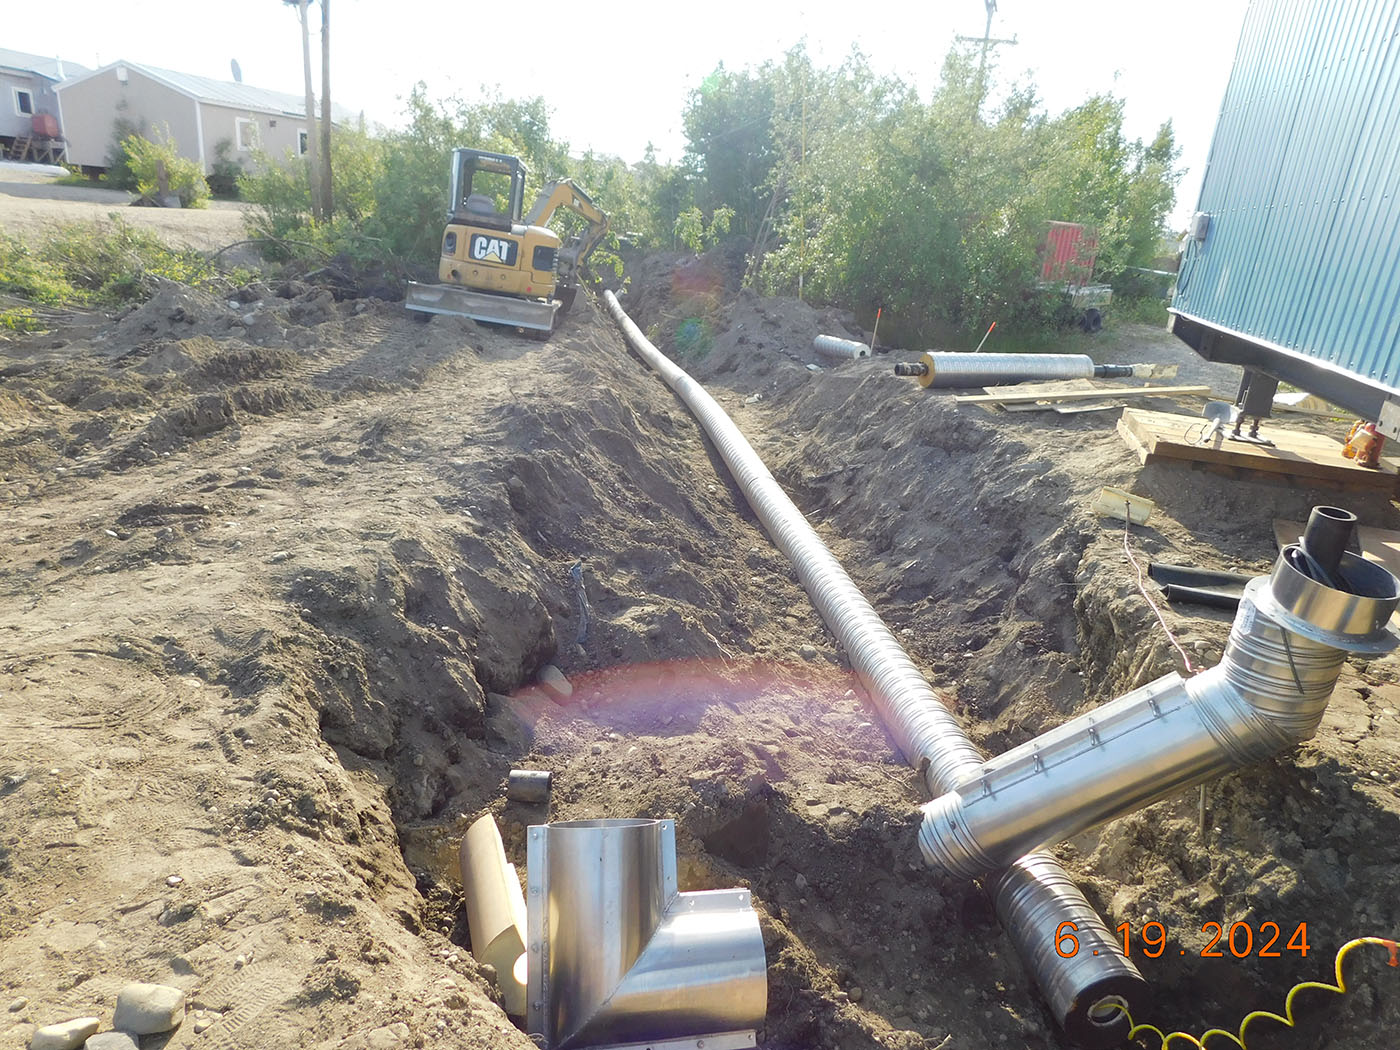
point(498, 267)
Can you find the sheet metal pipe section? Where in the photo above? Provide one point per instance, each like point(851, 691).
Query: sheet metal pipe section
point(1268, 693)
point(618, 956)
point(922, 727)
point(831, 346)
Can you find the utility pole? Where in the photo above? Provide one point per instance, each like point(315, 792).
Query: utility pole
point(987, 41)
point(312, 169)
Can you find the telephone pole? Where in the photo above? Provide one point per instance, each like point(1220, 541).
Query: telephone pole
point(987, 41)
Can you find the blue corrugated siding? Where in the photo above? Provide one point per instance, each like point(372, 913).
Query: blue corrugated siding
point(1303, 188)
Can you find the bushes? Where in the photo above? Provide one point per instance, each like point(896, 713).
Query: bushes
point(84, 264)
point(147, 159)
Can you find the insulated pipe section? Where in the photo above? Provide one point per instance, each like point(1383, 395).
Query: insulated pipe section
point(495, 909)
point(831, 346)
point(942, 369)
point(1268, 694)
point(924, 730)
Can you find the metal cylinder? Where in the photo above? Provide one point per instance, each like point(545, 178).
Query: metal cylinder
point(922, 726)
point(1268, 693)
point(947, 369)
point(618, 956)
point(831, 346)
point(529, 785)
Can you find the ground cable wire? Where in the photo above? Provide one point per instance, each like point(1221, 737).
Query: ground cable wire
point(1286, 1018)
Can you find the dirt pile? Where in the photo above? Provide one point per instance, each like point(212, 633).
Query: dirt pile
point(281, 570)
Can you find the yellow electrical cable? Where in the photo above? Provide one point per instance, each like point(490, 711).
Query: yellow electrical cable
point(1339, 988)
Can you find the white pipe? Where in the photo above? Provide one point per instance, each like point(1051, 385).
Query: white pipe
point(925, 731)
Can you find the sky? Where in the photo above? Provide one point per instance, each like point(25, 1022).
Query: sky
point(617, 75)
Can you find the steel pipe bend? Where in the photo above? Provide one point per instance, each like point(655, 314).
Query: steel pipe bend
point(1267, 694)
point(1034, 896)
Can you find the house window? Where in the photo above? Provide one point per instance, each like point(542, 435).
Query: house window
point(24, 103)
point(247, 133)
point(301, 142)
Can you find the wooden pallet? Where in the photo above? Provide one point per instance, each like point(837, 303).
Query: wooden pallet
point(1297, 456)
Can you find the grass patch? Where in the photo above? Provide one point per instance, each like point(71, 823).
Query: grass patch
point(1146, 310)
point(93, 265)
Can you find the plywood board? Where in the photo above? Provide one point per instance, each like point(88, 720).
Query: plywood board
point(1019, 394)
point(1302, 455)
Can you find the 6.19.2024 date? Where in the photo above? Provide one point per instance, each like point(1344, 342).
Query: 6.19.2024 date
point(1239, 939)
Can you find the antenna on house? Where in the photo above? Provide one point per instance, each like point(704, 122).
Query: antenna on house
point(237, 70)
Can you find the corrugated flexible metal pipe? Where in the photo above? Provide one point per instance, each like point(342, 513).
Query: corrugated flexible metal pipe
point(1034, 896)
point(834, 347)
point(1267, 694)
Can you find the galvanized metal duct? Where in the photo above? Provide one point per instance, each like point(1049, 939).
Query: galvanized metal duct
point(618, 956)
point(1268, 693)
point(1034, 896)
point(831, 346)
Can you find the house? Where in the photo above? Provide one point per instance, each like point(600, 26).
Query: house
point(27, 85)
point(207, 118)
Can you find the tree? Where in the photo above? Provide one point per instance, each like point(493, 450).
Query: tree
point(327, 195)
point(312, 171)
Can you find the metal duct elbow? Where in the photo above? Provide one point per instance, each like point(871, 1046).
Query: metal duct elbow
point(1268, 693)
point(617, 955)
point(831, 346)
point(944, 369)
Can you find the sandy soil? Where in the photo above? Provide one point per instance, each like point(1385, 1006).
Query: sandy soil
point(30, 203)
point(279, 575)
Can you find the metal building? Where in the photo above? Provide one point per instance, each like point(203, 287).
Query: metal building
point(1292, 263)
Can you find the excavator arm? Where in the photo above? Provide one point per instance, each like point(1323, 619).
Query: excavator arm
point(565, 193)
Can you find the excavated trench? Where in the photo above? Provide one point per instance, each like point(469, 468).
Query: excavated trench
point(434, 485)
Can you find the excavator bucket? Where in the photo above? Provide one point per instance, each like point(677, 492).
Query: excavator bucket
point(480, 306)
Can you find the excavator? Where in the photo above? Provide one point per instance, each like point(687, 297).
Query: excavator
point(496, 266)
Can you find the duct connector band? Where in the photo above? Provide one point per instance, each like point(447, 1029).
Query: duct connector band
point(831, 346)
point(1034, 896)
point(618, 957)
point(946, 369)
point(1268, 693)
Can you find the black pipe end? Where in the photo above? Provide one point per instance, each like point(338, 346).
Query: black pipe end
point(1327, 536)
point(911, 368)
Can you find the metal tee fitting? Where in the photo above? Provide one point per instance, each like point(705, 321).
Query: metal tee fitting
point(1268, 693)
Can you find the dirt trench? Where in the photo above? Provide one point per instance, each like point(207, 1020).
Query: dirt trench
point(281, 572)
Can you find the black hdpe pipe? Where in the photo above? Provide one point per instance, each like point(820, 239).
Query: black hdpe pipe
point(1034, 897)
point(1192, 586)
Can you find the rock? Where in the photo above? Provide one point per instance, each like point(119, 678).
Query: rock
point(801, 881)
point(555, 683)
point(808, 652)
point(202, 1025)
point(279, 556)
point(174, 880)
point(144, 1009)
point(111, 1041)
point(68, 1035)
point(18, 1005)
point(856, 993)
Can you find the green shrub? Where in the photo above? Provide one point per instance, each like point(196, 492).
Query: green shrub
point(223, 180)
point(146, 157)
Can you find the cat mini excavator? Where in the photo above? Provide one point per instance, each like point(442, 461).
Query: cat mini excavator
point(496, 266)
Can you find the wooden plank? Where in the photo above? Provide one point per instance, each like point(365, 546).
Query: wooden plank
point(1295, 454)
point(1013, 396)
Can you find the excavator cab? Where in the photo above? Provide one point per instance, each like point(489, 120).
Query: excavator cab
point(497, 266)
point(487, 188)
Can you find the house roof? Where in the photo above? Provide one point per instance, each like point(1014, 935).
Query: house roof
point(49, 68)
point(224, 92)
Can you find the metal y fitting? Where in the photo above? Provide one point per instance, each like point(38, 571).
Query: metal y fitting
point(1267, 694)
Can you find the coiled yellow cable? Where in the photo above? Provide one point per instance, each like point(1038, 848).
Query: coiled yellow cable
point(1287, 1019)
